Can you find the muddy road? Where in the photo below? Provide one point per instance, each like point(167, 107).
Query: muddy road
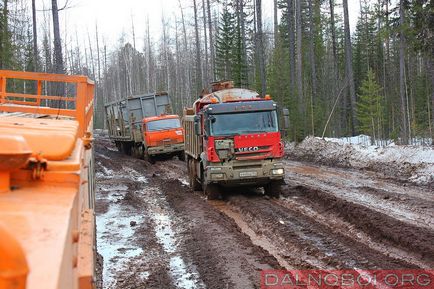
point(154, 232)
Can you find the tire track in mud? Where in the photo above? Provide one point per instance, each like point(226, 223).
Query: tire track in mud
point(329, 219)
point(380, 227)
point(225, 257)
point(312, 244)
point(125, 196)
point(408, 203)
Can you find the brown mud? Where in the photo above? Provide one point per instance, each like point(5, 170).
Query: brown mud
point(154, 232)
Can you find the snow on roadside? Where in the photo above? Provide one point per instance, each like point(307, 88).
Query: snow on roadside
point(413, 163)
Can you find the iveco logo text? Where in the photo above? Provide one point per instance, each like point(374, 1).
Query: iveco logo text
point(248, 149)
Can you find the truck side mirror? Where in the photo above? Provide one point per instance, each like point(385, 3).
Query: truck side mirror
point(286, 118)
point(197, 129)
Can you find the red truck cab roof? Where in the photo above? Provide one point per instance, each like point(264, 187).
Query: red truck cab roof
point(159, 117)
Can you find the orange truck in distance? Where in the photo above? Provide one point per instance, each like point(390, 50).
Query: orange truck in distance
point(47, 221)
point(142, 126)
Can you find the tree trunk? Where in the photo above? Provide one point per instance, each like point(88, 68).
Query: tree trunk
point(276, 23)
point(98, 53)
point(333, 31)
point(301, 101)
point(148, 58)
point(99, 93)
point(188, 83)
point(4, 35)
point(349, 68)
point(260, 47)
point(58, 57)
point(312, 62)
point(244, 43)
point(334, 89)
point(402, 92)
point(211, 41)
point(199, 84)
point(166, 53)
point(431, 68)
point(92, 64)
point(150, 83)
point(206, 72)
point(35, 38)
point(291, 45)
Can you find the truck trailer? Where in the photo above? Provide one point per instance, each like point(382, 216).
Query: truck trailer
point(143, 126)
point(232, 138)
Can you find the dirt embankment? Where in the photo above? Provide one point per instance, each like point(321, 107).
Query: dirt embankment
point(414, 164)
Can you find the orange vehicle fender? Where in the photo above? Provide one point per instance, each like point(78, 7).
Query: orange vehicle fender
point(13, 263)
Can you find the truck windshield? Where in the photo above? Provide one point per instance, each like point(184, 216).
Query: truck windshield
point(163, 124)
point(243, 123)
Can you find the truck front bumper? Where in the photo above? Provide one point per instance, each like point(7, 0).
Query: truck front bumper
point(245, 173)
point(160, 150)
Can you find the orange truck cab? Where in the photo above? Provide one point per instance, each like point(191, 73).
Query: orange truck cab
point(144, 126)
point(163, 135)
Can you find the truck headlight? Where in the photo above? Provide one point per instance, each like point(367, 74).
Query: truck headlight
point(277, 171)
point(217, 176)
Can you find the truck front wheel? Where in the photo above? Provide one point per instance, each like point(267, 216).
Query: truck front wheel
point(273, 189)
point(181, 156)
point(211, 191)
point(149, 158)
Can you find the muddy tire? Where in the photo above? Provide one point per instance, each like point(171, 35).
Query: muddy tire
point(137, 151)
point(212, 191)
point(148, 158)
point(126, 148)
point(194, 184)
point(273, 189)
point(181, 156)
point(119, 146)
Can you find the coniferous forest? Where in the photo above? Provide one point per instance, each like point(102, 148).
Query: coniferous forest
point(376, 79)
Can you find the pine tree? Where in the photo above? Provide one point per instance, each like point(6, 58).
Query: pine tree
point(370, 107)
point(226, 37)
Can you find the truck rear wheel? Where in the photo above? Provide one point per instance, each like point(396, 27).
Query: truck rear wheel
point(273, 189)
point(194, 184)
point(119, 146)
point(126, 148)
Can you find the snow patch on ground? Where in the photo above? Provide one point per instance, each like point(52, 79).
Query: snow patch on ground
point(114, 235)
point(184, 275)
point(412, 163)
point(135, 175)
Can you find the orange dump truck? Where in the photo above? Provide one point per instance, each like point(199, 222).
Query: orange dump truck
point(143, 126)
point(47, 227)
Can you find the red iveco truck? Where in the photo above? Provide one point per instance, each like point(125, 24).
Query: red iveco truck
point(232, 138)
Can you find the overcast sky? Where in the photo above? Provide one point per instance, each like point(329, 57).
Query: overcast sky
point(114, 17)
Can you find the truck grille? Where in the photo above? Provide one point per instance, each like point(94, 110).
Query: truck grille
point(166, 142)
point(262, 153)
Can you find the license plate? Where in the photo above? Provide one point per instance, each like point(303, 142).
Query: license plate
point(248, 174)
